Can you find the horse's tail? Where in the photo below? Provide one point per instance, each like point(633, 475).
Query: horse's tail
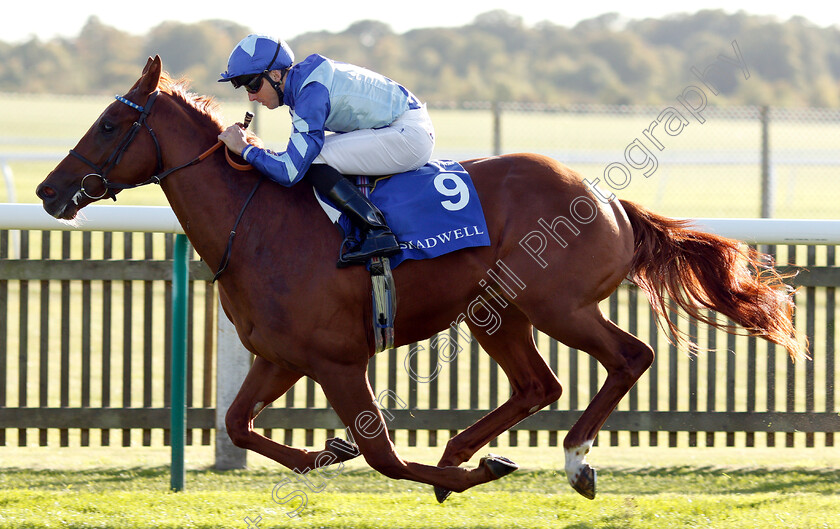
point(697, 270)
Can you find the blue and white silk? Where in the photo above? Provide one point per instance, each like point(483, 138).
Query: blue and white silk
point(328, 96)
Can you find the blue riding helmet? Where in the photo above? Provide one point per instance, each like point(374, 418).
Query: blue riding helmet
point(257, 54)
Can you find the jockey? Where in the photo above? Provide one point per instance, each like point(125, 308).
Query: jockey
point(379, 127)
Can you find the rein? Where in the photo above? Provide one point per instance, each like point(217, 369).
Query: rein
point(160, 174)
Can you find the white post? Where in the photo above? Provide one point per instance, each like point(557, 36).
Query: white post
point(10, 182)
point(11, 198)
point(232, 364)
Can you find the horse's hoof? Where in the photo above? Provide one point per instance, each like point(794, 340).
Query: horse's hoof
point(441, 494)
point(343, 450)
point(498, 466)
point(584, 482)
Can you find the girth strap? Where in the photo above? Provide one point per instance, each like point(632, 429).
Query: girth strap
point(383, 291)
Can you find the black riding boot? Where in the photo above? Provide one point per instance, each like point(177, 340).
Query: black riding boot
point(377, 238)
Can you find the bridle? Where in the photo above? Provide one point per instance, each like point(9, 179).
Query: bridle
point(113, 160)
point(101, 172)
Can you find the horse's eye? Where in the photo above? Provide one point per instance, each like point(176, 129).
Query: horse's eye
point(106, 127)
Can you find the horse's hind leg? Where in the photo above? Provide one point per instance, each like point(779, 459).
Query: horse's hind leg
point(533, 385)
point(264, 384)
point(348, 391)
point(625, 358)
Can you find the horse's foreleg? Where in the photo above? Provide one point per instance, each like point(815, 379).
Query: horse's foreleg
point(264, 384)
point(350, 395)
point(625, 358)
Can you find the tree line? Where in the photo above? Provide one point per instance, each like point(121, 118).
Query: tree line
point(497, 57)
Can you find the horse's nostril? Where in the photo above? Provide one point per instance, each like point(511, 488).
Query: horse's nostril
point(45, 192)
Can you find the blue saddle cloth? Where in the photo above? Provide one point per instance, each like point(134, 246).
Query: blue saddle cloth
point(433, 211)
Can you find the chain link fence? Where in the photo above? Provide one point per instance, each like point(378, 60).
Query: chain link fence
point(738, 162)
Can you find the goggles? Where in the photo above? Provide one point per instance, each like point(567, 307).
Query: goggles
point(251, 82)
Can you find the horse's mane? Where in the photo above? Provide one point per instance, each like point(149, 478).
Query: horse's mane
point(180, 88)
point(206, 106)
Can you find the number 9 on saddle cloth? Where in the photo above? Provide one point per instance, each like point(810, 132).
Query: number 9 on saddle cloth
point(432, 211)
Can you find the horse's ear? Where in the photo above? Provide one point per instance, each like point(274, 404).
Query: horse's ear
point(148, 65)
point(151, 75)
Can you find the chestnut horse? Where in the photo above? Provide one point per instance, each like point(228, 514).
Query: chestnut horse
point(557, 250)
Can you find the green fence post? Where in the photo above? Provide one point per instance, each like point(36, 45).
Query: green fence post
point(178, 411)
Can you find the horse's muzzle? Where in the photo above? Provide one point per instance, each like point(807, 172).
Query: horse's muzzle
point(57, 203)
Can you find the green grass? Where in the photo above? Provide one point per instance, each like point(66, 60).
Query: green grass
point(503, 509)
point(638, 488)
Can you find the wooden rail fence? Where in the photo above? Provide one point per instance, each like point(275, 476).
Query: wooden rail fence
point(84, 359)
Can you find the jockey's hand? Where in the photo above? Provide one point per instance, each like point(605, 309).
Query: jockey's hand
point(235, 139)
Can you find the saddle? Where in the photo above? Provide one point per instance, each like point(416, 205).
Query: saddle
point(433, 210)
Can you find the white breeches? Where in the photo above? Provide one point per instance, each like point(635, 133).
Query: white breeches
point(404, 145)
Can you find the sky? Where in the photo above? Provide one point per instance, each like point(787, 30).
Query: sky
point(285, 19)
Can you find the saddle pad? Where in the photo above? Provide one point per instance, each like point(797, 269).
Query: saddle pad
point(433, 211)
